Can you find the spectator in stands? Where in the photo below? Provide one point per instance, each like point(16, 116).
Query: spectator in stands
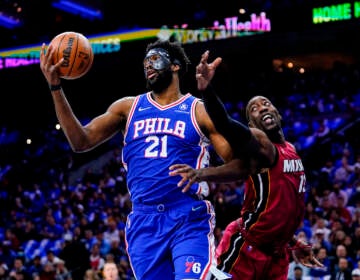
point(77, 233)
point(338, 238)
point(116, 250)
point(19, 275)
point(90, 274)
point(354, 179)
point(321, 272)
point(18, 230)
point(89, 239)
point(97, 218)
point(298, 273)
point(103, 243)
point(34, 266)
point(124, 269)
point(96, 259)
point(4, 272)
point(335, 192)
point(30, 231)
point(38, 203)
point(306, 229)
point(83, 225)
point(11, 239)
point(18, 267)
point(341, 270)
point(318, 241)
point(51, 229)
point(50, 257)
point(356, 239)
point(61, 271)
point(325, 206)
point(110, 271)
point(48, 272)
point(340, 253)
point(328, 169)
point(321, 223)
point(349, 244)
point(343, 212)
point(7, 255)
point(112, 232)
point(343, 172)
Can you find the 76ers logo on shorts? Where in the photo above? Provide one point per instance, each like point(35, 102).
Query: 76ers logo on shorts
point(192, 266)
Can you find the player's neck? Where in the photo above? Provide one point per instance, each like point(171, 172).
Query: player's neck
point(168, 96)
point(276, 136)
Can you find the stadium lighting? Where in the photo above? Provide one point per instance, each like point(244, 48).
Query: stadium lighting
point(9, 22)
point(77, 9)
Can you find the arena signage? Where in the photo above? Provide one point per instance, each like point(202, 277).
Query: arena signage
point(231, 27)
point(101, 44)
point(336, 12)
point(110, 43)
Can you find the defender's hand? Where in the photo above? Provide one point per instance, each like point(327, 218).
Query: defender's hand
point(188, 174)
point(205, 71)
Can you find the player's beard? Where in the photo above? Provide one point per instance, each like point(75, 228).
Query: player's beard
point(160, 82)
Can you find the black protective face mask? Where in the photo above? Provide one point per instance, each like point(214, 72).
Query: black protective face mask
point(158, 58)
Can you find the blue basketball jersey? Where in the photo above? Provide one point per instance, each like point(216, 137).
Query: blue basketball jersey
point(156, 137)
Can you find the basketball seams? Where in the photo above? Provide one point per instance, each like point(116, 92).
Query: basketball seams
point(75, 57)
point(91, 56)
point(90, 60)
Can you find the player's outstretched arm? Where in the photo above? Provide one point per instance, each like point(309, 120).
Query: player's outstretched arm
point(81, 138)
point(231, 171)
point(237, 134)
point(71, 126)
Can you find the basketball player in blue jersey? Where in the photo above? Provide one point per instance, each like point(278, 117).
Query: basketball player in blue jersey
point(169, 233)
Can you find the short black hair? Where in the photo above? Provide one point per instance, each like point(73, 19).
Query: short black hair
point(176, 52)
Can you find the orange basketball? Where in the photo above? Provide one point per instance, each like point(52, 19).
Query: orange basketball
point(76, 50)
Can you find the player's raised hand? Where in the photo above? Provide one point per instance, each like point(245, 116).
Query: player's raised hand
point(188, 174)
point(205, 71)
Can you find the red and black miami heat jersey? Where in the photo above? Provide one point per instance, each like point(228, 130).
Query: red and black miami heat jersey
point(274, 202)
point(274, 206)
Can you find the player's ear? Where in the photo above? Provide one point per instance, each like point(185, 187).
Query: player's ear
point(175, 67)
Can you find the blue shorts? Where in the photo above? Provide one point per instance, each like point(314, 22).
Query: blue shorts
point(171, 241)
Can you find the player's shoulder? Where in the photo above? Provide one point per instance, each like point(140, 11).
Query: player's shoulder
point(200, 109)
point(125, 100)
point(122, 105)
point(199, 101)
point(258, 133)
point(291, 145)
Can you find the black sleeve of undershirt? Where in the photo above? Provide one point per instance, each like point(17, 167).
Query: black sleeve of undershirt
point(237, 134)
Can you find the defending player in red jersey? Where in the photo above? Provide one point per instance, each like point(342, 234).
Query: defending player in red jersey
point(255, 246)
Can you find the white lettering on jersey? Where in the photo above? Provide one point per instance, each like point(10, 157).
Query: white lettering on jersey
point(159, 125)
point(293, 165)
